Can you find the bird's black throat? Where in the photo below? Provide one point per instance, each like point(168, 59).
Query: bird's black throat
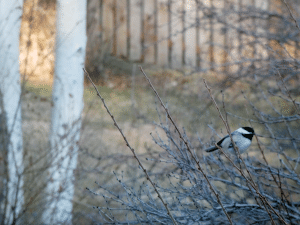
point(249, 136)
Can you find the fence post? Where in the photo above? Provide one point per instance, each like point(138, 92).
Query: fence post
point(225, 43)
point(155, 32)
point(142, 30)
point(198, 49)
point(170, 44)
point(183, 34)
point(128, 29)
point(114, 10)
point(211, 37)
point(240, 38)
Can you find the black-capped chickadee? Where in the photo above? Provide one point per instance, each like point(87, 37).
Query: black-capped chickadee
point(242, 138)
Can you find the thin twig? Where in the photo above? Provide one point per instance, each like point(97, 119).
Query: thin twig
point(188, 147)
point(131, 149)
point(291, 14)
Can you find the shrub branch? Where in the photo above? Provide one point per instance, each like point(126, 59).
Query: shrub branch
point(131, 149)
point(188, 147)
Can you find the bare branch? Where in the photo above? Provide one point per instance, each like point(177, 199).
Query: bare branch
point(131, 149)
point(188, 147)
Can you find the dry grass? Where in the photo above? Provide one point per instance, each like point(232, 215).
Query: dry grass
point(135, 109)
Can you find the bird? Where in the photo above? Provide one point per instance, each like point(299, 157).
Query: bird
point(242, 138)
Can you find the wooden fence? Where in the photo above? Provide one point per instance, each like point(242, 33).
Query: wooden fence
point(182, 33)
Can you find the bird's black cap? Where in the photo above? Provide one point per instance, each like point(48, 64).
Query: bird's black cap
point(249, 129)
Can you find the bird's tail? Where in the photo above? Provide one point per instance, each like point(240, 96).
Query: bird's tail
point(211, 149)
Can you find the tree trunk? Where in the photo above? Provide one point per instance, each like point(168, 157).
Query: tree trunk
point(67, 107)
point(11, 148)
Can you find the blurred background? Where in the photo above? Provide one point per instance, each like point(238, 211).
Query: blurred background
point(246, 50)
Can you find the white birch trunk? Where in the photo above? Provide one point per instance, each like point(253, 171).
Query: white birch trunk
point(10, 23)
point(67, 107)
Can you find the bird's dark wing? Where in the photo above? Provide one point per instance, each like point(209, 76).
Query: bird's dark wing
point(211, 149)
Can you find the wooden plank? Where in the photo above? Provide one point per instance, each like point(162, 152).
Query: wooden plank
point(162, 33)
point(211, 40)
point(101, 23)
point(115, 27)
point(135, 30)
point(183, 49)
point(240, 36)
point(198, 49)
point(128, 34)
point(155, 32)
point(170, 43)
point(142, 34)
point(225, 42)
